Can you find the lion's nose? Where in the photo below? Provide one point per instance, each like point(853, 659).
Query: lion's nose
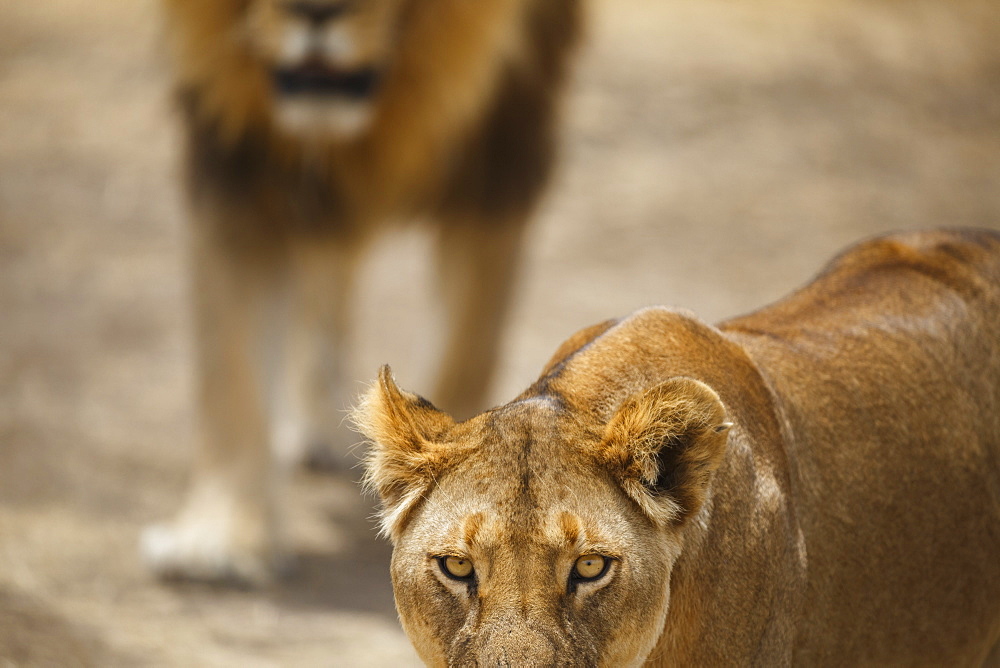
point(315, 12)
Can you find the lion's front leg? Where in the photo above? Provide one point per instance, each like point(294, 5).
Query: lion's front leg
point(478, 262)
point(228, 526)
point(310, 401)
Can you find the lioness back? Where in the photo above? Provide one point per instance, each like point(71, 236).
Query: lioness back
point(815, 483)
point(888, 369)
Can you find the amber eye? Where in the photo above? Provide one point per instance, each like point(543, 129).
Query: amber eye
point(456, 567)
point(590, 567)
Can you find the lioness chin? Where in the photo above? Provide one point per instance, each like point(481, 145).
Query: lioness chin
point(816, 483)
point(312, 125)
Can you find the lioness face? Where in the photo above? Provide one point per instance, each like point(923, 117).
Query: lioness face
point(524, 556)
point(326, 59)
point(528, 536)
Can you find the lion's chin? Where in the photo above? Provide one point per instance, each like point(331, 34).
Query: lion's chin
point(322, 117)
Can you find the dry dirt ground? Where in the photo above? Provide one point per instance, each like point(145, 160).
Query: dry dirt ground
point(716, 153)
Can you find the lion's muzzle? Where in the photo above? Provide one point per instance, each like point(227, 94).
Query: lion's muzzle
point(315, 77)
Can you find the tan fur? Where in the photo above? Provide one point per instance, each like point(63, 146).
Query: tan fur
point(849, 515)
point(312, 125)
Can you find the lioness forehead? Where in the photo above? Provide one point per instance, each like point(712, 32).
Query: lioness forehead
point(526, 479)
point(519, 449)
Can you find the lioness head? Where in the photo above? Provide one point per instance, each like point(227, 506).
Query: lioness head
point(539, 533)
point(326, 59)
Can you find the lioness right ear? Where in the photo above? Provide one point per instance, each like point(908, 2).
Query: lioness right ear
point(404, 430)
point(663, 445)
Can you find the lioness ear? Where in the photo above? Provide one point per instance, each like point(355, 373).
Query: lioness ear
point(405, 456)
point(664, 444)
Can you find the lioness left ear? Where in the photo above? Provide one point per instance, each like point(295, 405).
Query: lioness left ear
point(404, 430)
point(664, 444)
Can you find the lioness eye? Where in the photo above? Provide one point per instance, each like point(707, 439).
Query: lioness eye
point(456, 567)
point(590, 567)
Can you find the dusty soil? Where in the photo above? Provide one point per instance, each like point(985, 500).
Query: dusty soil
point(716, 153)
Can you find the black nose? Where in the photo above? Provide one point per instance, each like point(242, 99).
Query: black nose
point(315, 12)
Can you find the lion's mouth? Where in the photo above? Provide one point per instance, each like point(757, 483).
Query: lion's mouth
point(316, 77)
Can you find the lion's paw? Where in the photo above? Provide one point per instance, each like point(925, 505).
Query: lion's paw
point(215, 544)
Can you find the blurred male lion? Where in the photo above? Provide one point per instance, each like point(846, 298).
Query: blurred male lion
point(311, 125)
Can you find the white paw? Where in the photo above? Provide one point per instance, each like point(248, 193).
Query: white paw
point(175, 552)
point(212, 540)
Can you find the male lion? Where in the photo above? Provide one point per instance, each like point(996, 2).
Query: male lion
point(310, 125)
point(815, 483)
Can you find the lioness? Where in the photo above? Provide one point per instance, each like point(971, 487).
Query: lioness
point(311, 125)
point(815, 483)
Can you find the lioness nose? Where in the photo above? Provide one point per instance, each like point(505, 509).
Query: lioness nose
point(316, 12)
point(516, 646)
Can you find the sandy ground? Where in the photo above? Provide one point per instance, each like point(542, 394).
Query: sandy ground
point(716, 154)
